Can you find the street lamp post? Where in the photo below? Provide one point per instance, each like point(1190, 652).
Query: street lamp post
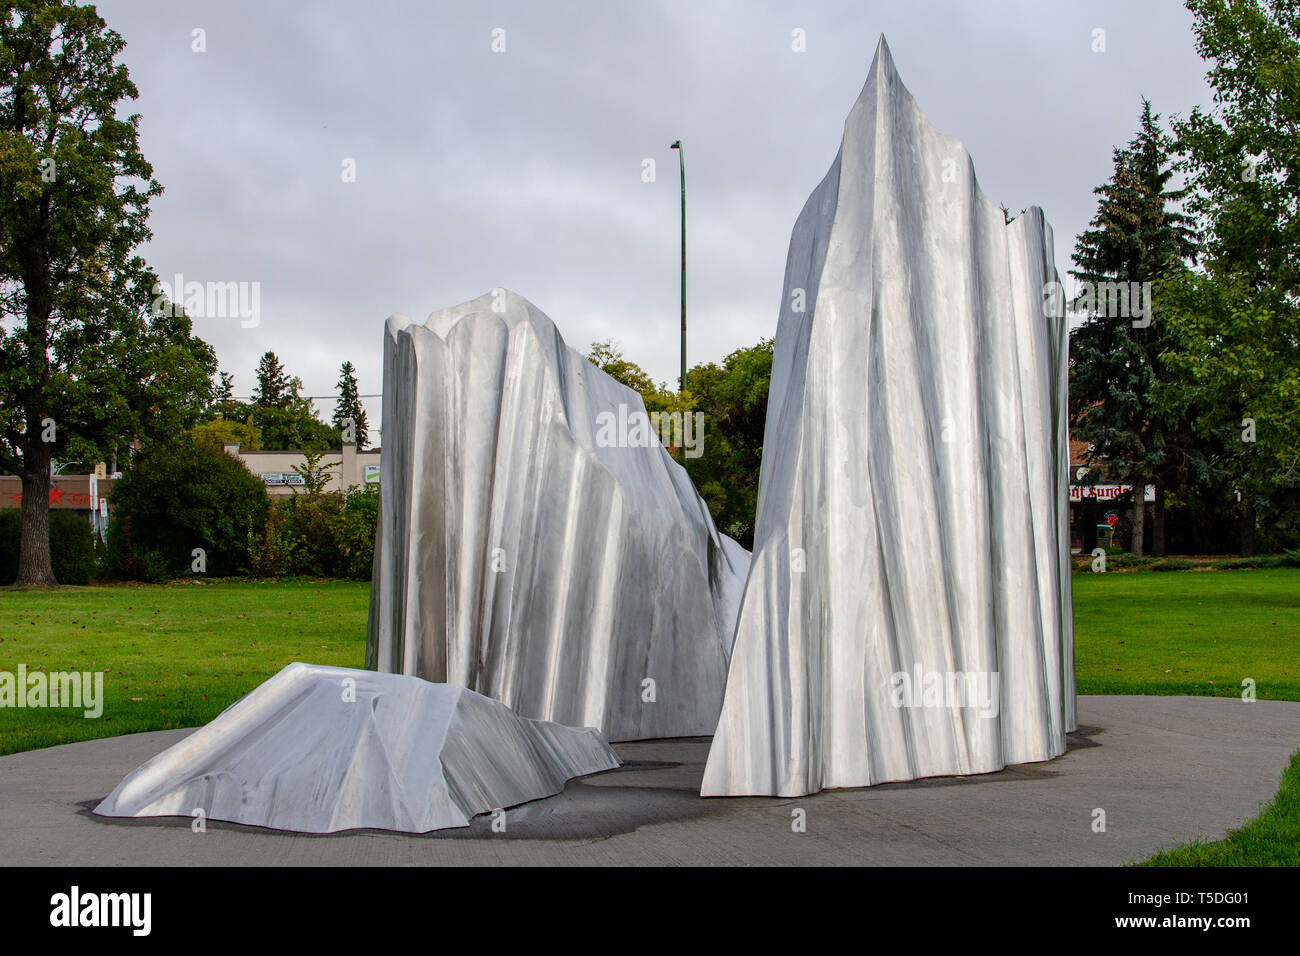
point(681, 156)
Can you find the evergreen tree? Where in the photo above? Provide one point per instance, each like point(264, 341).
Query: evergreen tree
point(348, 410)
point(226, 407)
point(1117, 368)
point(273, 384)
point(285, 418)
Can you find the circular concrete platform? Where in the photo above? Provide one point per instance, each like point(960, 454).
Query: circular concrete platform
point(1164, 770)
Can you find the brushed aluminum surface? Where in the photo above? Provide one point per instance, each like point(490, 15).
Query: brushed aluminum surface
point(527, 552)
point(912, 533)
point(321, 749)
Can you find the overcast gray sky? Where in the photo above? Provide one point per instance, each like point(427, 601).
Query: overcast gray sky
point(477, 169)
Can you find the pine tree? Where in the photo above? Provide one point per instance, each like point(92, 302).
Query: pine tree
point(225, 406)
point(1138, 236)
point(273, 385)
point(286, 418)
point(348, 410)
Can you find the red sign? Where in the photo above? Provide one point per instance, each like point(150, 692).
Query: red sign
point(74, 493)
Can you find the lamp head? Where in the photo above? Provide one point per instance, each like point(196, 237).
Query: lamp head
point(676, 145)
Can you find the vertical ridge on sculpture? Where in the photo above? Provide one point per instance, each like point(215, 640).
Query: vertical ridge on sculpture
point(525, 557)
point(911, 502)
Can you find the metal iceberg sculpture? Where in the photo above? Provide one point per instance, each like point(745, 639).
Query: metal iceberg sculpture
point(536, 542)
point(907, 612)
point(321, 749)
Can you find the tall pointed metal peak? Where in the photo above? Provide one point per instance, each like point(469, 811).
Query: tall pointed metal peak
point(883, 61)
point(920, 318)
point(881, 73)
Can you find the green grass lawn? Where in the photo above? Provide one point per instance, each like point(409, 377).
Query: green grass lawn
point(1188, 632)
point(176, 655)
point(172, 655)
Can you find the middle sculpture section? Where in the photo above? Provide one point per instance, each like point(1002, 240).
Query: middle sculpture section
point(537, 543)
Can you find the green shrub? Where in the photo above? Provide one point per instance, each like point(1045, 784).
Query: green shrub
point(10, 529)
point(273, 554)
point(1259, 561)
point(357, 535)
point(1123, 561)
point(314, 526)
point(153, 567)
point(180, 496)
point(1173, 564)
point(326, 535)
point(72, 548)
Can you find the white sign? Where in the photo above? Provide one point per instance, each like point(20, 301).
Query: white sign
point(372, 474)
point(1107, 492)
point(281, 478)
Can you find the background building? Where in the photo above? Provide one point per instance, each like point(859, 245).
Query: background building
point(350, 467)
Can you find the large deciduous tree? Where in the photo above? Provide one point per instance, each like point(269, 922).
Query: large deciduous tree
point(84, 361)
point(1240, 314)
point(608, 357)
point(733, 399)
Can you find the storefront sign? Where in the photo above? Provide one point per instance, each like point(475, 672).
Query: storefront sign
point(1107, 492)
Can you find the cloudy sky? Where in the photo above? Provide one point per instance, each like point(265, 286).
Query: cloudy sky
point(476, 169)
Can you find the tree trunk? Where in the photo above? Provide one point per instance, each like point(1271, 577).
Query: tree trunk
point(1088, 514)
point(1158, 523)
point(1247, 527)
point(1139, 518)
point(34, 568)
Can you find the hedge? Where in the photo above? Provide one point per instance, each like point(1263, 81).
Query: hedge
point(72, 546)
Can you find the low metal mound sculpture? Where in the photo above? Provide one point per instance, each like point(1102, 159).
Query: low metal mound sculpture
point(908, 609)
point(537, 543)
point(322, 749)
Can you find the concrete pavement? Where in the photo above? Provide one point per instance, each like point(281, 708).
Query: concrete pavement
point(1164, 770)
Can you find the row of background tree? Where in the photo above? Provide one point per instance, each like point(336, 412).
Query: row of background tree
point(1204, 402)
point(279, 416)
point(88, 366)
